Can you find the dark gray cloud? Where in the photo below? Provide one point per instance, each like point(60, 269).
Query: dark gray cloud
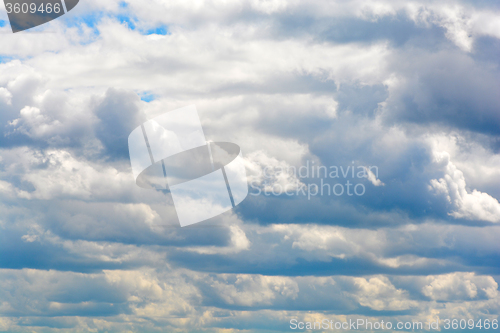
point(118, 114)
point(447, 88)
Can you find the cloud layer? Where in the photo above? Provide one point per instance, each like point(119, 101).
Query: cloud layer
point(405, 91)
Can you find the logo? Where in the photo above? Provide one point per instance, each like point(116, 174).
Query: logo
point(170, 153)
point(26, 14)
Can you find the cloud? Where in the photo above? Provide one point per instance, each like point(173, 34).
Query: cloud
point(58, 174)
point(443, 87)
point(373, 178)
point(118, 114)
point(409, 88)
point(268, 174)
point(378, 293)
point(5, 96)
point(473, 205)
point(458, 286)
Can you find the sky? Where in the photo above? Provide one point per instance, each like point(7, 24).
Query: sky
point(405, 89)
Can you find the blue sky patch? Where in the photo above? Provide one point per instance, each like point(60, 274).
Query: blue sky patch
point(147, 97)
point(5, 59)
point(161, 30)
point(127, 20)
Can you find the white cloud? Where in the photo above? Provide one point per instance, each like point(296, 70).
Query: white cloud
point(34, 124)
point(379, 294)
point(456, 286)
point(58, 174)
point(455, 19)
point(5, 96)
point(474, 205)
point(10, 191)
point(373, 178)
point(277, 92)
point(270, 174)
point(257, 290)
point(390, 247)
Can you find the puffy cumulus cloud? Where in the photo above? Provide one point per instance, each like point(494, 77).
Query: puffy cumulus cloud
point(18, 85)
point(182, 300)
point(474, 205)
point(155, 295)
point(457, 286)
point(58, 174)
point(85, 120)
point(331, 241)
point(33, 120)
point(378, 293)
point(269, 174)
point(474, 155)
point(40, 116)
point(252, 291)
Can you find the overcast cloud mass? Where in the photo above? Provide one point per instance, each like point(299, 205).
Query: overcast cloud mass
point(409, 87)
